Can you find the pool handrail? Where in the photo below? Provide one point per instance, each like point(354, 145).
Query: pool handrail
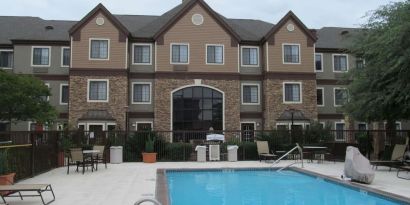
point(156, 202)
point(297, 147)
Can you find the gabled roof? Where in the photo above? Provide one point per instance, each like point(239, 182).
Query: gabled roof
point(290, 16)
point(336, 37)
point(186, 7)
point(95, 11)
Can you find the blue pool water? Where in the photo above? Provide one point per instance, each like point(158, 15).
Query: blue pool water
point(264, 187)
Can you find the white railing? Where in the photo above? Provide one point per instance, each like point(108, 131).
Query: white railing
point(287, 153)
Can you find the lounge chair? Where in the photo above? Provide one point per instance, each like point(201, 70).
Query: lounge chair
point(12, 190)
point(100, 157)
point(263, 151)
point(396, 157)
point(403, 168)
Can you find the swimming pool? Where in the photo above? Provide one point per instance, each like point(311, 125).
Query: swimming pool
point(262, 187)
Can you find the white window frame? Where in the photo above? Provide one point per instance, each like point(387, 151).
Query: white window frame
point(95, 123)
point(108, 49)
point(333, 62)
point(170, 52)
point(133, 52)
point(362, 123)
point(8, 50)
point(32, 56)
point(397, 122)
point(62, 57)
point(109, 124)
point(143, 122)
point(150, 93)
point(300, 93)
point(334, 95)
point(289, 124)
point(283, 53)
point(321, 57)
point(259, 93)
point(61, 92)
point(257, 51)
point(223, 54)
point(323, 96)
point(98, 80)
point(344, 134)
point(49, 88)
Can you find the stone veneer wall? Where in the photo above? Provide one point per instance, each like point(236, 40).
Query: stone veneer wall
point(78, 105)
point(164, 87)
point(273, 96)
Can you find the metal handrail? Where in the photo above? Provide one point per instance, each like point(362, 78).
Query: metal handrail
point(15, 146)
point(147, 200)
point(299, 148)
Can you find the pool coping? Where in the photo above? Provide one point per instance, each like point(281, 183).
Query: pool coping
point(162, 192)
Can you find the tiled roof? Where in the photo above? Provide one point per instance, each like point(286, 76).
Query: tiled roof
point(143, 26)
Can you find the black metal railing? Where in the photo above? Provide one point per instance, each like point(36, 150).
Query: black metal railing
point(43, 150)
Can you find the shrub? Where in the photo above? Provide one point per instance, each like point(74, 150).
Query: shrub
point(247, 151)
point(4, 168)
point(178, 151)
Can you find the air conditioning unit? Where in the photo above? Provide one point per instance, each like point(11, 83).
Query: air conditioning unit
point(214, 153)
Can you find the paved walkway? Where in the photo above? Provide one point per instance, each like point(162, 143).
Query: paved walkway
point(124, 184)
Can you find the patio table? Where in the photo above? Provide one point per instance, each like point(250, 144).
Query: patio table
point(315, 150)
point(89, 154)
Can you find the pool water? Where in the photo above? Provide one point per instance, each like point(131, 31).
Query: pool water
point(261, 187)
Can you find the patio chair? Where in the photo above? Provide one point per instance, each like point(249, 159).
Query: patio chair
point(263, 151)
point(396, 157)
point(77, 158)
point(403, 168)
point(100, 157)
point(34, 190)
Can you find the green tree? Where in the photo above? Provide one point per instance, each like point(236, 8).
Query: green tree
point(381, 90)
point(24, 97)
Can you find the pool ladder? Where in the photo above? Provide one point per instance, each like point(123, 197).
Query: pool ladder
point(297, 147)
point(154, 201)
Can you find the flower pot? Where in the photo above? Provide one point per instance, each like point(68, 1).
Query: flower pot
point(149, 157)
point(60, 159)
point(7, 179)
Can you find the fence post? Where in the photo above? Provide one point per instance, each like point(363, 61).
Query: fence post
point(368, 144)
point(32, 154)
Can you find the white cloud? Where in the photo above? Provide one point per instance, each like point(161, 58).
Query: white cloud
point(314, 13)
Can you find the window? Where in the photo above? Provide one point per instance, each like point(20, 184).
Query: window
point(197, 108)
point(142, 54)
point(99, 49)
point(65, 57)
point(362, 126)
point(340, 63)
point(98, 90)
point(143, 126)
point(319, 62)
point(291, 54)
point(250, 56)
point(40, 56)
point(340, 133)
point(341, 96)
point(215, 54)
point(292, 93)
point(141, 93)
point(250, 93)
point(179, 53)
point(320, 96)
point(6, 59)
point(248, 131)
point(359, 63)
point(64, 94)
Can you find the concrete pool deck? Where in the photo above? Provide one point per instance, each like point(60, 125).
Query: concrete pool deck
point(126, 183)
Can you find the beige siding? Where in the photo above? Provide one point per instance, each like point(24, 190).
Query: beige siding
point(80, 49)
point(296, 37)
point(210, 32)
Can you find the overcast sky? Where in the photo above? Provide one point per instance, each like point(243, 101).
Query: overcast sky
point(314, 13)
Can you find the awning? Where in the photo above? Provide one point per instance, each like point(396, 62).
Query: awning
point(97, 115)
point(297, 116)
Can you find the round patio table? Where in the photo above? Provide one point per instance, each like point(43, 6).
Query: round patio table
point(317, 151)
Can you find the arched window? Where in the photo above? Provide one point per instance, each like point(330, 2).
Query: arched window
point(197, 108)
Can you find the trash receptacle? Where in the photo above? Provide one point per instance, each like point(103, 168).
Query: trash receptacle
point(232, 153)
point(116, 154)
point(201, 153)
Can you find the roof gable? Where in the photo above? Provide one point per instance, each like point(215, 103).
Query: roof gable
point(291, 16)
point(186, 8)
point(99, 8)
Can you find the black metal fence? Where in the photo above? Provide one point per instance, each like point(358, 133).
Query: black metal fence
point(37, 152)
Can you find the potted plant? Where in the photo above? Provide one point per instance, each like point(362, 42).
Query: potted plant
point(149, 156)
point(6, 178)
